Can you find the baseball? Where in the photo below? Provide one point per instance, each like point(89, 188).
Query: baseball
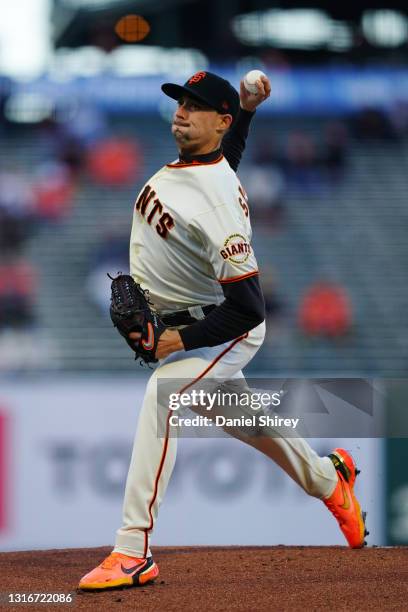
point(250, 80)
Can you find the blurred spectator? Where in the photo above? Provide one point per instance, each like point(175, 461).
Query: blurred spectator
point(265, 152)
point(373, 124)
point(71, 130)
point(17, 206)
point(273, 303)
point(22, 345)
point(275, 59)
point(17, 287)
point(61, 147)
point(114, 162)
point(112, 256)
point(75, 122)
point(265, 183)
point(335, 149)
point(302, 162)
point(265, 186)
point(6, 127)
point(398, 115)
point(71, 153)
point(325, 310)
point(83, 124)
point(54, 189)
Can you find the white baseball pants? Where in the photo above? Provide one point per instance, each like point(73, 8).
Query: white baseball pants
point(153, 457)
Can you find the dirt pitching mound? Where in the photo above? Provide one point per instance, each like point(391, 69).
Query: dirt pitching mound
point(224, 578)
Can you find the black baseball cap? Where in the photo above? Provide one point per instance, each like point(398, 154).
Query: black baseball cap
point(209, 88)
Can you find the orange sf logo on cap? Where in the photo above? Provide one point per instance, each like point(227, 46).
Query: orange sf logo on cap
point(197, 77)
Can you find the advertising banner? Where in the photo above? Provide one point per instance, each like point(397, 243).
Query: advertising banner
point(65, 449)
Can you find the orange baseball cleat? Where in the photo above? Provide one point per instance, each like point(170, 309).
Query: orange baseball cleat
point(119, 570)
point(343, 504)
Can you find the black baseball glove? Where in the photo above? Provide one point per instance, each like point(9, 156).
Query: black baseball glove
point(130, 312)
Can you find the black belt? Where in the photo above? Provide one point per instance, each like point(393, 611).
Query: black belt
point(184, 317)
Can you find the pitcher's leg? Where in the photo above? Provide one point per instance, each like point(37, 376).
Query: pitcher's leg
point(152, 461)
point(316, 475)
point(151, 465)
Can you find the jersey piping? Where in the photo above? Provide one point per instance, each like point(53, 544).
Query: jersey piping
point(224, 281)
point(195, 163)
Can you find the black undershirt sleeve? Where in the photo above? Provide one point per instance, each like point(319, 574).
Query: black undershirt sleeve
point(242, 310)
point(233, 143)
point(243, 307)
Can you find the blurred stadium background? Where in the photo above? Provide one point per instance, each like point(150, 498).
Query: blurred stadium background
point(83, 125)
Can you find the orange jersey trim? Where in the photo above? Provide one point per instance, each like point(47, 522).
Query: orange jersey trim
point(234, 279)
point(166, 440)
point(195, 163)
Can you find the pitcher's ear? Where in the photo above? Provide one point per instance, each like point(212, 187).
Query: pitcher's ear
point(225, 122)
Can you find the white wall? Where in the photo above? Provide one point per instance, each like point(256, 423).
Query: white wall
point(67, 450)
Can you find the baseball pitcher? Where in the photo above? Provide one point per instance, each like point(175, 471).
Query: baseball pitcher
point(193, 303)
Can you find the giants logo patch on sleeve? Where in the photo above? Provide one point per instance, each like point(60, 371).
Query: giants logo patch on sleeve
point(236, 249)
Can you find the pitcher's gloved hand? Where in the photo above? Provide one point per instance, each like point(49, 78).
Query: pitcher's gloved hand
point(130, 312)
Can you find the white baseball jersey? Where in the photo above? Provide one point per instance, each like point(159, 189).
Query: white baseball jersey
point(191, 231)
